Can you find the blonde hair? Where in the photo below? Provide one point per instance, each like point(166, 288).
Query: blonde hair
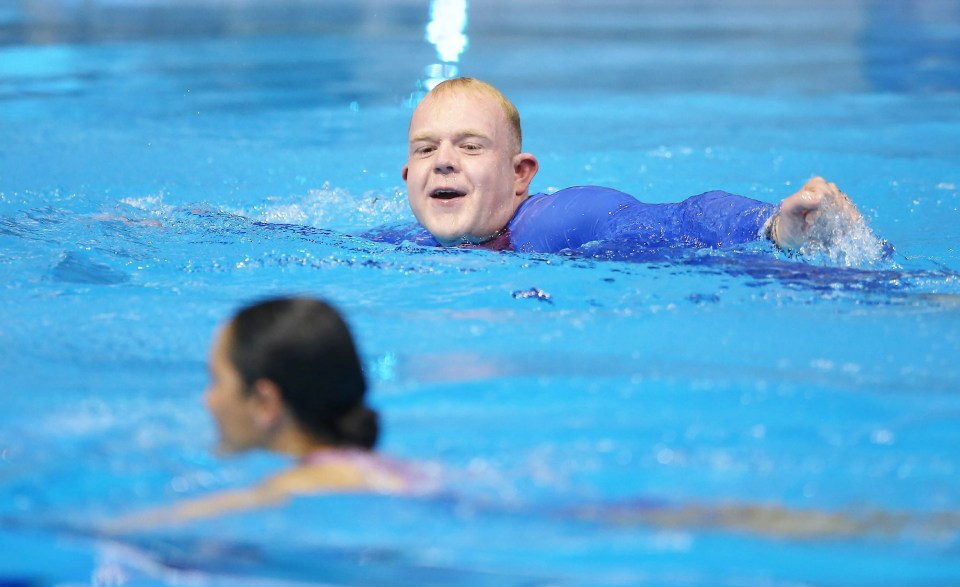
point(469, 84)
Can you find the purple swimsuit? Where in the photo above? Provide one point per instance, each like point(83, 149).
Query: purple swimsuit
point(599, 221)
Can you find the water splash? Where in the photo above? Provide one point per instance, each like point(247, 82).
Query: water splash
point(841, 239)
point(333, 208)
point(445, 31)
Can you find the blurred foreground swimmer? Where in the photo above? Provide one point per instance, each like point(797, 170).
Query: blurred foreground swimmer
point(285, 376)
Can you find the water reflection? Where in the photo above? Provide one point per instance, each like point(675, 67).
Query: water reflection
point(448, 20)
point(445, 31)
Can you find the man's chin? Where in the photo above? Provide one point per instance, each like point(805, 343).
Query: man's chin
point(449, 238)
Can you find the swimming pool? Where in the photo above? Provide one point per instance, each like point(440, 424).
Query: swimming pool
point(163, 162)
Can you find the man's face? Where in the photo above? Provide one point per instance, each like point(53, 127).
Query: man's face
point(465, 178)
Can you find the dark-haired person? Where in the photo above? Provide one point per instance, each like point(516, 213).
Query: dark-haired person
point(468, 184)
point(285, 376)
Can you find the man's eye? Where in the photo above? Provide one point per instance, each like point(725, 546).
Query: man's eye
point(425, 150)
point(471, 147)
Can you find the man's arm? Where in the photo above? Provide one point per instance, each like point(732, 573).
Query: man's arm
point(571, 218)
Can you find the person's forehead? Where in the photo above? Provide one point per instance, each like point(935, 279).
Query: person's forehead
point(457, 107)
point(218, 355)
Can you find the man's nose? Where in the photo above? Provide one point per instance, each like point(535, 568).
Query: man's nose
point(446, 161)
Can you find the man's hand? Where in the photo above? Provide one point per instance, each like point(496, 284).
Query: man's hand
point(790, 228)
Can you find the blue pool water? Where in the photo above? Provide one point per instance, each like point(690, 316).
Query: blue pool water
point(163, 162)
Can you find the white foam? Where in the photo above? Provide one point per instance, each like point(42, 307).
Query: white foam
point(842, 239)
point(152, 204)
point(334, 208)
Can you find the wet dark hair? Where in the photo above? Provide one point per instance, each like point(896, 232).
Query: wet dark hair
point(305, 347)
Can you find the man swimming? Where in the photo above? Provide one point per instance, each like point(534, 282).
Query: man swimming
point(468, 184)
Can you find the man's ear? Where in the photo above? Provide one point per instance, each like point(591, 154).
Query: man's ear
point(268, 403)
point(525, 166)
point(406, 168)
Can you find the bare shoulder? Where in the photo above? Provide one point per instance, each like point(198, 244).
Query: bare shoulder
point(346, 471)
point(310, 479)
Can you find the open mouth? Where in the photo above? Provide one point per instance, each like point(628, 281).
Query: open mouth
point(446, 194)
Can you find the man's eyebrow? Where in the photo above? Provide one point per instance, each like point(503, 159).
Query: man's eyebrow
point(473, 134)
point(421, 137)
point(464, 134)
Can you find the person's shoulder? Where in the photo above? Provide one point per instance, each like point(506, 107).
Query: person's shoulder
point(583, 199)
point(588, 191)
point(313, 479)
point(351, 470)
point(567, 218)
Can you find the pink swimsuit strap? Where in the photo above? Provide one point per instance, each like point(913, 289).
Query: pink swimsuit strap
point(335, 456)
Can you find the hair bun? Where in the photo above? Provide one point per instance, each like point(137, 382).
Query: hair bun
point(359, 427)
